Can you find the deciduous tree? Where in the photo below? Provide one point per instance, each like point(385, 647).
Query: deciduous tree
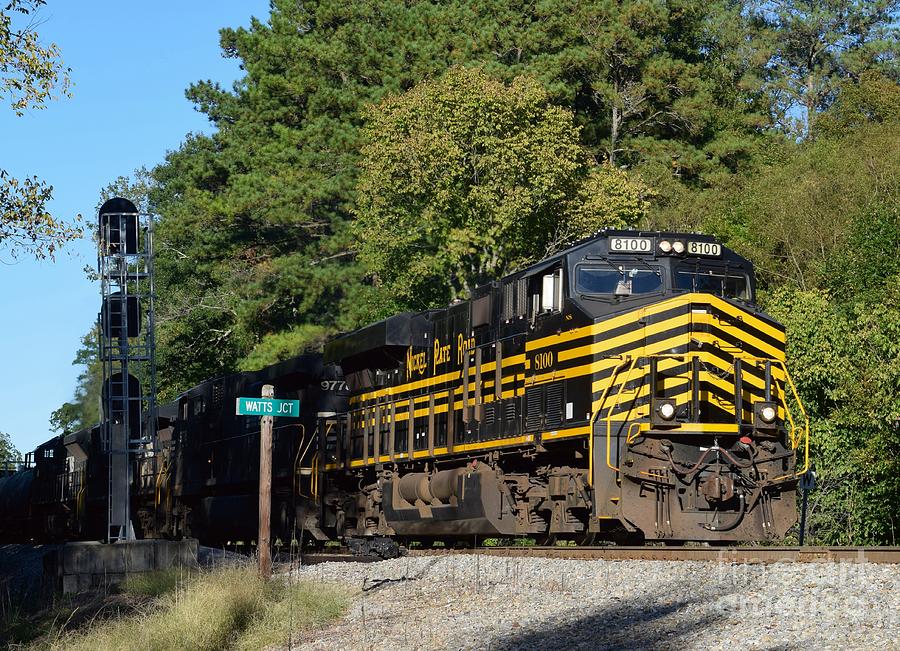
point(8, 452)
point(30, 75)
point(84, 409)
point(465, 178)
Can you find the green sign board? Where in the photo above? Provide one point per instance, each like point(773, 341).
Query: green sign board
point(268, 407)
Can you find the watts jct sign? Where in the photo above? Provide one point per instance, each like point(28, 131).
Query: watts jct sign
point(268, 407)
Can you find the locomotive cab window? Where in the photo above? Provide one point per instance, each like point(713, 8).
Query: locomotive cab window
point(713, 281)
point(620, 280)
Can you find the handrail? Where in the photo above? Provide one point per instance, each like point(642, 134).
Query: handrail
point(797, 440)
point(594, 415)
point(804, 434)
point(795, 443)
point(629, 437)
point(163, 470)
point(609, 414)
point(79, 502)
point(314, 477)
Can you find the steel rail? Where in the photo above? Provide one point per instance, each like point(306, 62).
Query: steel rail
point(888, 555)
point(732, 555)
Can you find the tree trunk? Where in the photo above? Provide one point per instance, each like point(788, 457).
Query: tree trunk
point(810, 102)
point(614, 135)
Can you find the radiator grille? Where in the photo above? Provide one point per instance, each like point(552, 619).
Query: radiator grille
point(534, 399)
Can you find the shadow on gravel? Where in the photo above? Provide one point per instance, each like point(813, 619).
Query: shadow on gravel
point(662, 620)
point(377, 584)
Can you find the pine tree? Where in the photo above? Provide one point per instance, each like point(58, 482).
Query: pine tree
point(817, 43)
point(256, 254)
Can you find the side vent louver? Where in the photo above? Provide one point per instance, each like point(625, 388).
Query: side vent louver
point(489, 415)
point(554, 406)
point(534, 402)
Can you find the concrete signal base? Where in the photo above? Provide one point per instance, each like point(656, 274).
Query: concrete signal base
point(82, 566)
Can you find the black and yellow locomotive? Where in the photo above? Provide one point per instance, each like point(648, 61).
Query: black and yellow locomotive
point(628, 386)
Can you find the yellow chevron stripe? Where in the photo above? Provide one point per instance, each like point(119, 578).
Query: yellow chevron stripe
point(606, 325)
point(744, 336)
point(570, 432)
point(451, 376)
point(597, 348)
point(736, 312)
point(600, 347)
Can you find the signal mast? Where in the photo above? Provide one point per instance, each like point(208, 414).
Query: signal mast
point(127, 351)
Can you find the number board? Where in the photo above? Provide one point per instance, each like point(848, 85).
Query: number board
point(630, 245)
point(704, 248)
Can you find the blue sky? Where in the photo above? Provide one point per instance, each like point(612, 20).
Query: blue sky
point(143, 56)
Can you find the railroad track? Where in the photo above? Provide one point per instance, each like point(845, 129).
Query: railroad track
point(885, 555)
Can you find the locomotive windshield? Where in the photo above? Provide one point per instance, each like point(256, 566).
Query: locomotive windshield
point(713, 281)
point(618, 281)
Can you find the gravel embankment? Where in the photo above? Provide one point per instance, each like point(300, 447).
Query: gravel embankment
point(481, 602)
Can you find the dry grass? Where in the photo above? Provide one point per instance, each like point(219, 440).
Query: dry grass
point(156, 584)
point(222, 609)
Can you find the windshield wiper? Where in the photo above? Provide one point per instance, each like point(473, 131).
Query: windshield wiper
point(648, 266)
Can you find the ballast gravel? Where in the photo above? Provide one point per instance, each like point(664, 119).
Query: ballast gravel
point(501, 603)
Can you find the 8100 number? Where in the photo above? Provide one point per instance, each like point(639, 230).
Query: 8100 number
point(704, 248)
point(630, 244)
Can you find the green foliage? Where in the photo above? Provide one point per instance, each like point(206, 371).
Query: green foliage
point(66, 418)
point(868, 261)
point(815, 43)
point(84, 410)
point(8, 451)
point(776, 214)
point(845, 358)
point(284, 345)
point(872, 98)
point(608, 198)
point(25, 224)
point(673, 86)
point(254, 237)
point(30, 75)
point(464, 178)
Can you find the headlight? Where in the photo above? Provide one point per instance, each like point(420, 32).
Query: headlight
point(666, 410)
point(678, 247)
point(665, 246)
point(764, 414)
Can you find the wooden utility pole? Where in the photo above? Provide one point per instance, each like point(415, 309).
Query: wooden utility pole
point(265, 489)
